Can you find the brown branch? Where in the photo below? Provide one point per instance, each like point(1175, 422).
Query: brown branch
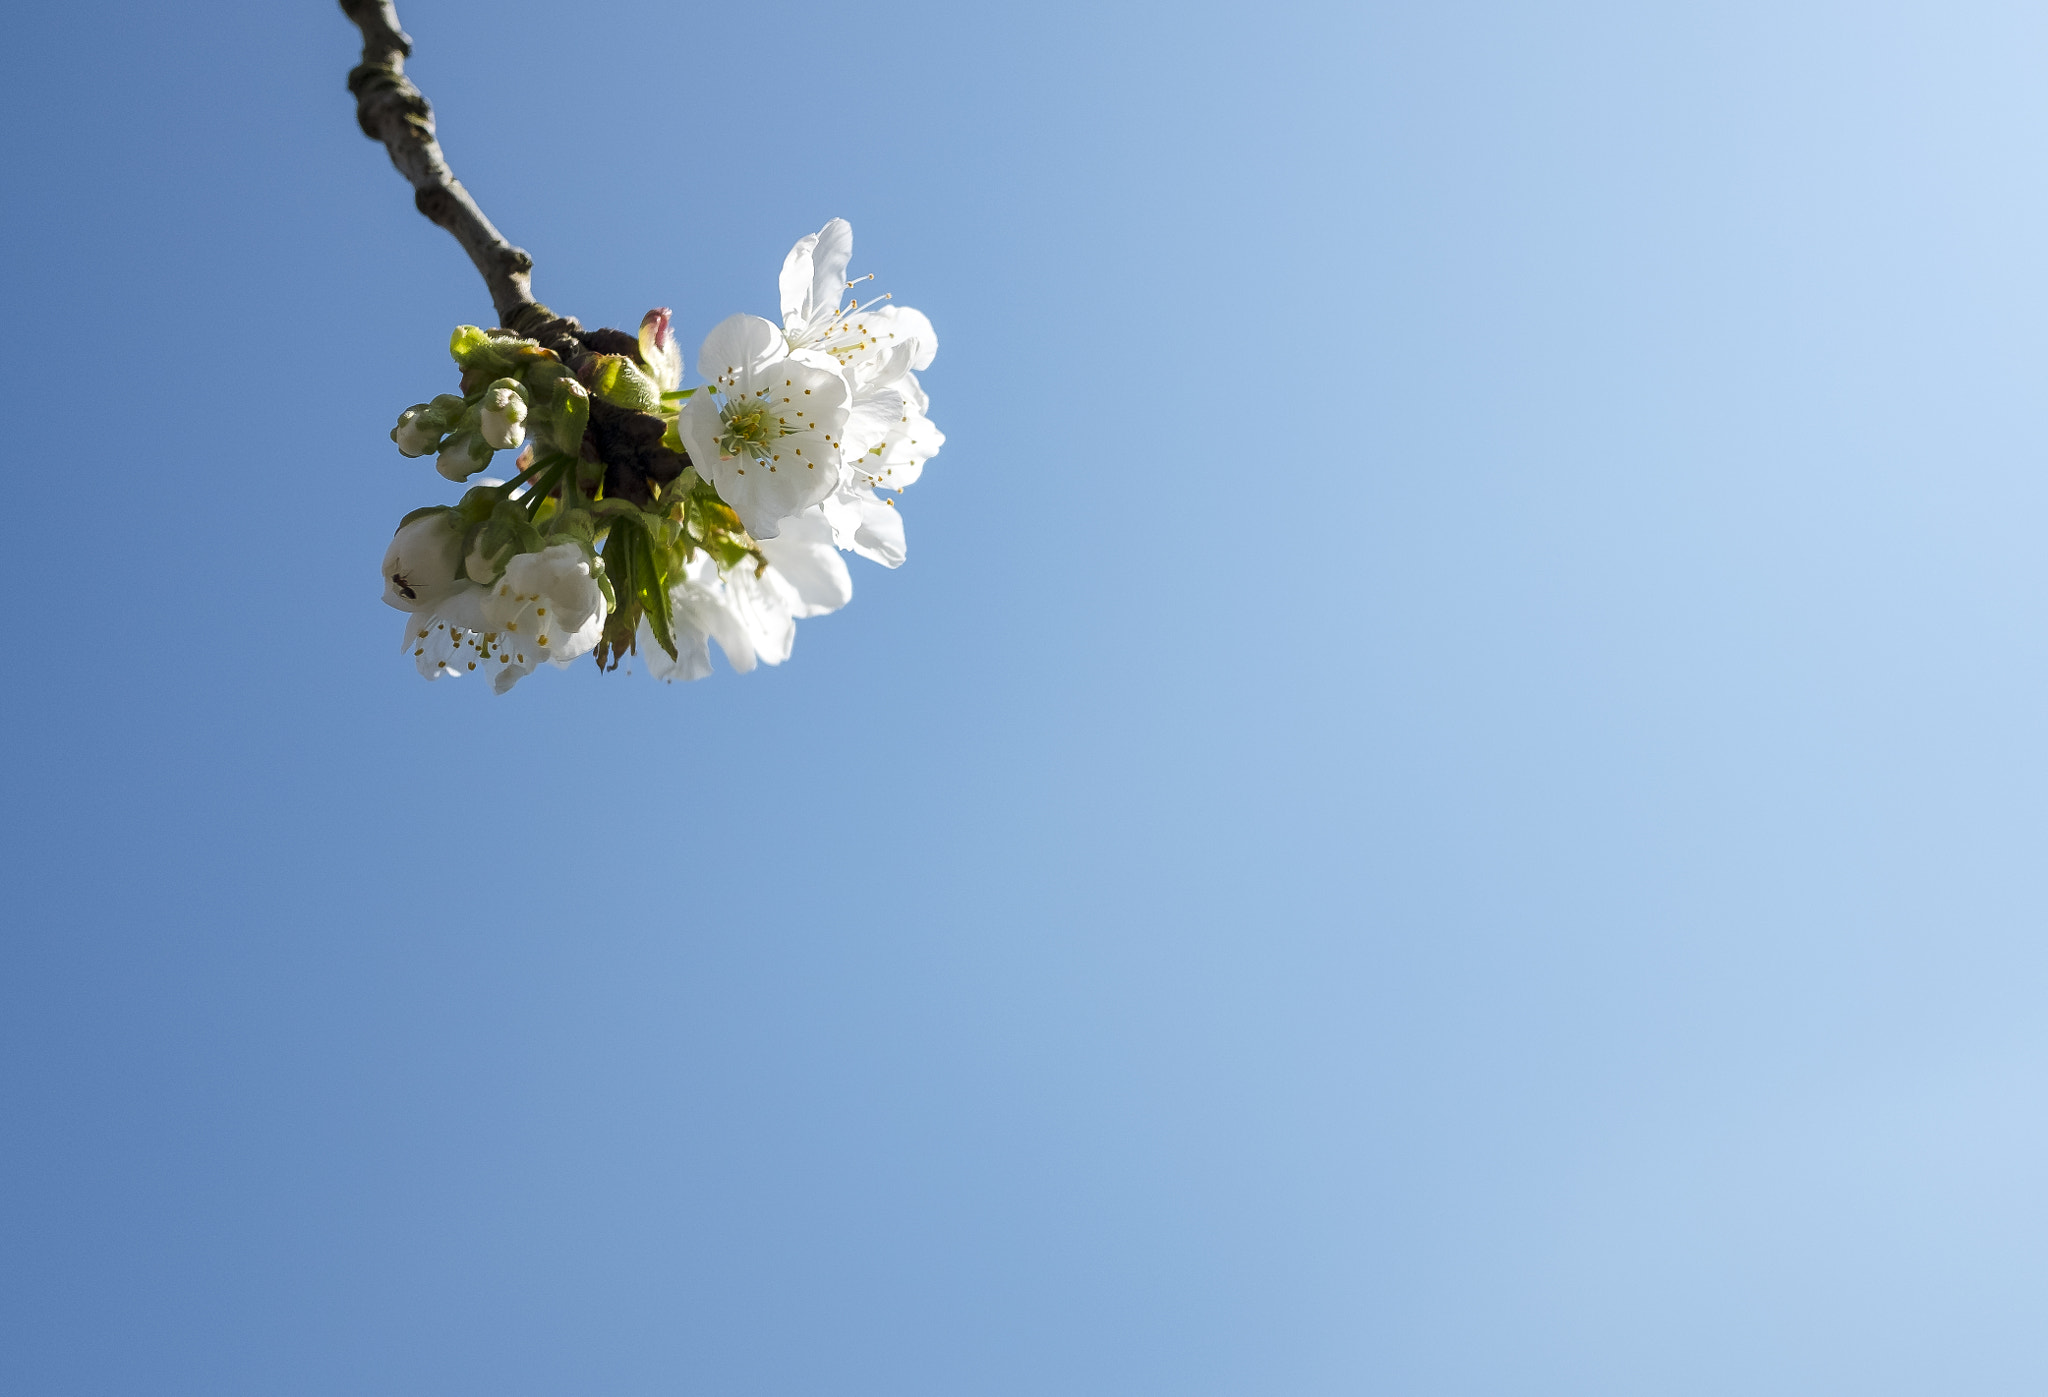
point(390, 109)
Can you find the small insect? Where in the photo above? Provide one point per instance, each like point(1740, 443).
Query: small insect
point(404, 588)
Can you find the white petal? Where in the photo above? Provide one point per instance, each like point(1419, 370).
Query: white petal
point(739, 345)
point(815, 394)
point(867, 525)
point(699, 425)
point(914, 441)
point(764, 493)
point(886, 369)
point(873, 414)
point(718, 619)
point(829, 256)
point(448, 641)
point(765, 607)
point(894, 325)
point(795, 281)
point(693, 655)
point(803, 554)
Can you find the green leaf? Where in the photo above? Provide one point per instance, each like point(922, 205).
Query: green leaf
point(622, 574)
point(652, 592)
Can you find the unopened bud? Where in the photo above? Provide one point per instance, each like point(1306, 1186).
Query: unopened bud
point(419, 567)
point(565, 412)
point(465, 454)
point(416, 432)
point(658, 349)
point(617, 379)
point(501, 416)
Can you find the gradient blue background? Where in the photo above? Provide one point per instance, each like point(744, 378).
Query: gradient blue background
point(1451, 799)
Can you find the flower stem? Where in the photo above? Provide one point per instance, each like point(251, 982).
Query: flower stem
point(513, 484)
point(542, 488)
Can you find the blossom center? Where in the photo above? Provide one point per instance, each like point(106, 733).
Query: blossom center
point(747, 427)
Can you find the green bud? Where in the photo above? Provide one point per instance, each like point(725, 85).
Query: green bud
point(617, 379)
point(493, 352)
point(564, 411)
point(466, 343)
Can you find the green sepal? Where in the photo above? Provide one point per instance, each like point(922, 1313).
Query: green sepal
point(563, 409)
point(576, 526)
point(510, 515)
point(727, 552)
point(422, 512)
point(708, 515)
point(478, 501)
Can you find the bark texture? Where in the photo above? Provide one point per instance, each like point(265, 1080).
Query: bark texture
point(390, 109)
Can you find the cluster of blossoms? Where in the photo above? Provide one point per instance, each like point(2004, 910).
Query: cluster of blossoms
point(648, 517)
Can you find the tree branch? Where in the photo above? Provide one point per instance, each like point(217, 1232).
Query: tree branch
point(390, 109)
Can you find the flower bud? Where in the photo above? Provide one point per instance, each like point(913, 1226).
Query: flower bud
point(419, 567)
point(416, 432)
point(565, 412)
point(658, 349)
point(617, 379)
point(502, 414)
point(465, 454)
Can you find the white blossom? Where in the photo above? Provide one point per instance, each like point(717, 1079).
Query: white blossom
point(818, 317)
point(878, 349)
point(547, 606)
point(447, 639)
point(765, 428)
point(750, 610)
point(801, 428)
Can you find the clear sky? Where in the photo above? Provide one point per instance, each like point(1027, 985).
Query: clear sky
point(1450, 801)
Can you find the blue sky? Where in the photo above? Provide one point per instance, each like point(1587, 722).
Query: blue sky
point(1450, 800)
